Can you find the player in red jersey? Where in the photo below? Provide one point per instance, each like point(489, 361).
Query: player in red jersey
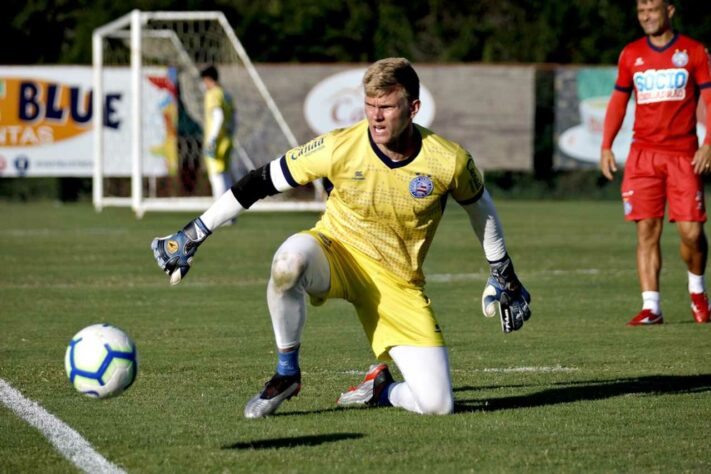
point(668, 73)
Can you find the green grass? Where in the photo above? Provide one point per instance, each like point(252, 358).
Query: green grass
point(616, 398)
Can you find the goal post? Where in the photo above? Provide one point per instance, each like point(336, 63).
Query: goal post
point(148, 123)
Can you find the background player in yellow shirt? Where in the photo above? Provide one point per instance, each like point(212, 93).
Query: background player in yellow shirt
point(219, 126)
point(390, 180)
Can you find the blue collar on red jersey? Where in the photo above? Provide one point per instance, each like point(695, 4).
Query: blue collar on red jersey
point(666, 46)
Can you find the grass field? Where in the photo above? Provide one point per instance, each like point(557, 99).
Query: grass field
point(574, 391)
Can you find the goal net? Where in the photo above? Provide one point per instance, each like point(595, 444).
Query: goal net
point(149, 124)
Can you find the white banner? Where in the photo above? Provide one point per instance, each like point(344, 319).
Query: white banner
point(46, 121)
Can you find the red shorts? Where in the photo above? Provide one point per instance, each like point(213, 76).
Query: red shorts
point(652, 178)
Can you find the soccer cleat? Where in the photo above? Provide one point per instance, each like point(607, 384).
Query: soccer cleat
point(646, 317)
point(174, 253)
point(700, 307)
point(368, 392)
point(278, 389)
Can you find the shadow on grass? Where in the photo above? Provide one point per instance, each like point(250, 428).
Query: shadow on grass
point(294, 442)
point(593, 390)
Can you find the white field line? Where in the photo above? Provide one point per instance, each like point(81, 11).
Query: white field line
point(162, 282)
point(68, 442)
point(543, 369)
point(450, 277)
point(43, 232)
point(556, 368)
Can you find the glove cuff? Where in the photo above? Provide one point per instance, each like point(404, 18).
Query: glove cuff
point(503, 272)
point(502, 267)
point(196, 231)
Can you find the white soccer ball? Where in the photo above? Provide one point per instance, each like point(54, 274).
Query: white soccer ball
point(101, 361)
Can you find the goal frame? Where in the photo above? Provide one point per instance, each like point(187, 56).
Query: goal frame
point(134, 21)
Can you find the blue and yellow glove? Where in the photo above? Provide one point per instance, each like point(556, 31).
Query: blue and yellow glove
point(504, 294)
point(174, 253)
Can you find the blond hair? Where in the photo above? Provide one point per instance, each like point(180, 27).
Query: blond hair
point(390, 73)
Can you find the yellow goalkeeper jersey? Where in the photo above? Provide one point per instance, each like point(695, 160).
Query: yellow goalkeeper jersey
point(386, 210)
point(217, 97)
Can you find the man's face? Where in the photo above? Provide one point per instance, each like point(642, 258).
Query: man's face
point(389, 115)
point(654, 16)
point(208, 83)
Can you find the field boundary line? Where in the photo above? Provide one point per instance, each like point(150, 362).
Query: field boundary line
point(66, 440)
point(482, 276)
point(530, 369)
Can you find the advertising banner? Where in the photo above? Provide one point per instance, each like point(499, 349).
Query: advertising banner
point(46, 121)
point(46, 113)
point(488, 109)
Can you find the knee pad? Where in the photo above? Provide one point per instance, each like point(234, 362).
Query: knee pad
point(287, 269)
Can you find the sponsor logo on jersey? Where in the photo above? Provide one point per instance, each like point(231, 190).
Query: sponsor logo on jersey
point(307, 149)
point(421, 186)
point(659, 85)
point(358, 176)
point(680, 58)
point(639, 61)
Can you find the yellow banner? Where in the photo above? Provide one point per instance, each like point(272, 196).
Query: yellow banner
point(38, 112)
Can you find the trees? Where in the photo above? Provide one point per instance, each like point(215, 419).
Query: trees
point(552, 31)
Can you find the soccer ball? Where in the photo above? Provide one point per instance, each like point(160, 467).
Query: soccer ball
point(101, 361)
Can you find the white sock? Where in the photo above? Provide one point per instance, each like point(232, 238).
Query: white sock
point(650, 300)
point(223, 210)
point(696, 283)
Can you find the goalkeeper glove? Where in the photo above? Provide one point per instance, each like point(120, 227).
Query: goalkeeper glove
point(174, 253)
point(505, 294)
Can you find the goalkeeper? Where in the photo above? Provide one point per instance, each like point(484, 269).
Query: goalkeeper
point(390, 179)
point(220, 125)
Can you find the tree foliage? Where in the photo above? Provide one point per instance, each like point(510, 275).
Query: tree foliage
point(492, 31)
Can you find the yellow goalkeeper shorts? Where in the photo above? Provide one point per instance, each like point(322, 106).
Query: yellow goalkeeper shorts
point(221, 161)
point(391, 311)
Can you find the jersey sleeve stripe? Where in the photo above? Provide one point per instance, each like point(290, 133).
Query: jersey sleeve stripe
point(626, 90)
point(280, 182)
point(705, 85)
point(474, 199)
point(286, 173)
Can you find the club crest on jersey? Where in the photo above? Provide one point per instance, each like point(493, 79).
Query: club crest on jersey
point(680, 58)
point(421, 186)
